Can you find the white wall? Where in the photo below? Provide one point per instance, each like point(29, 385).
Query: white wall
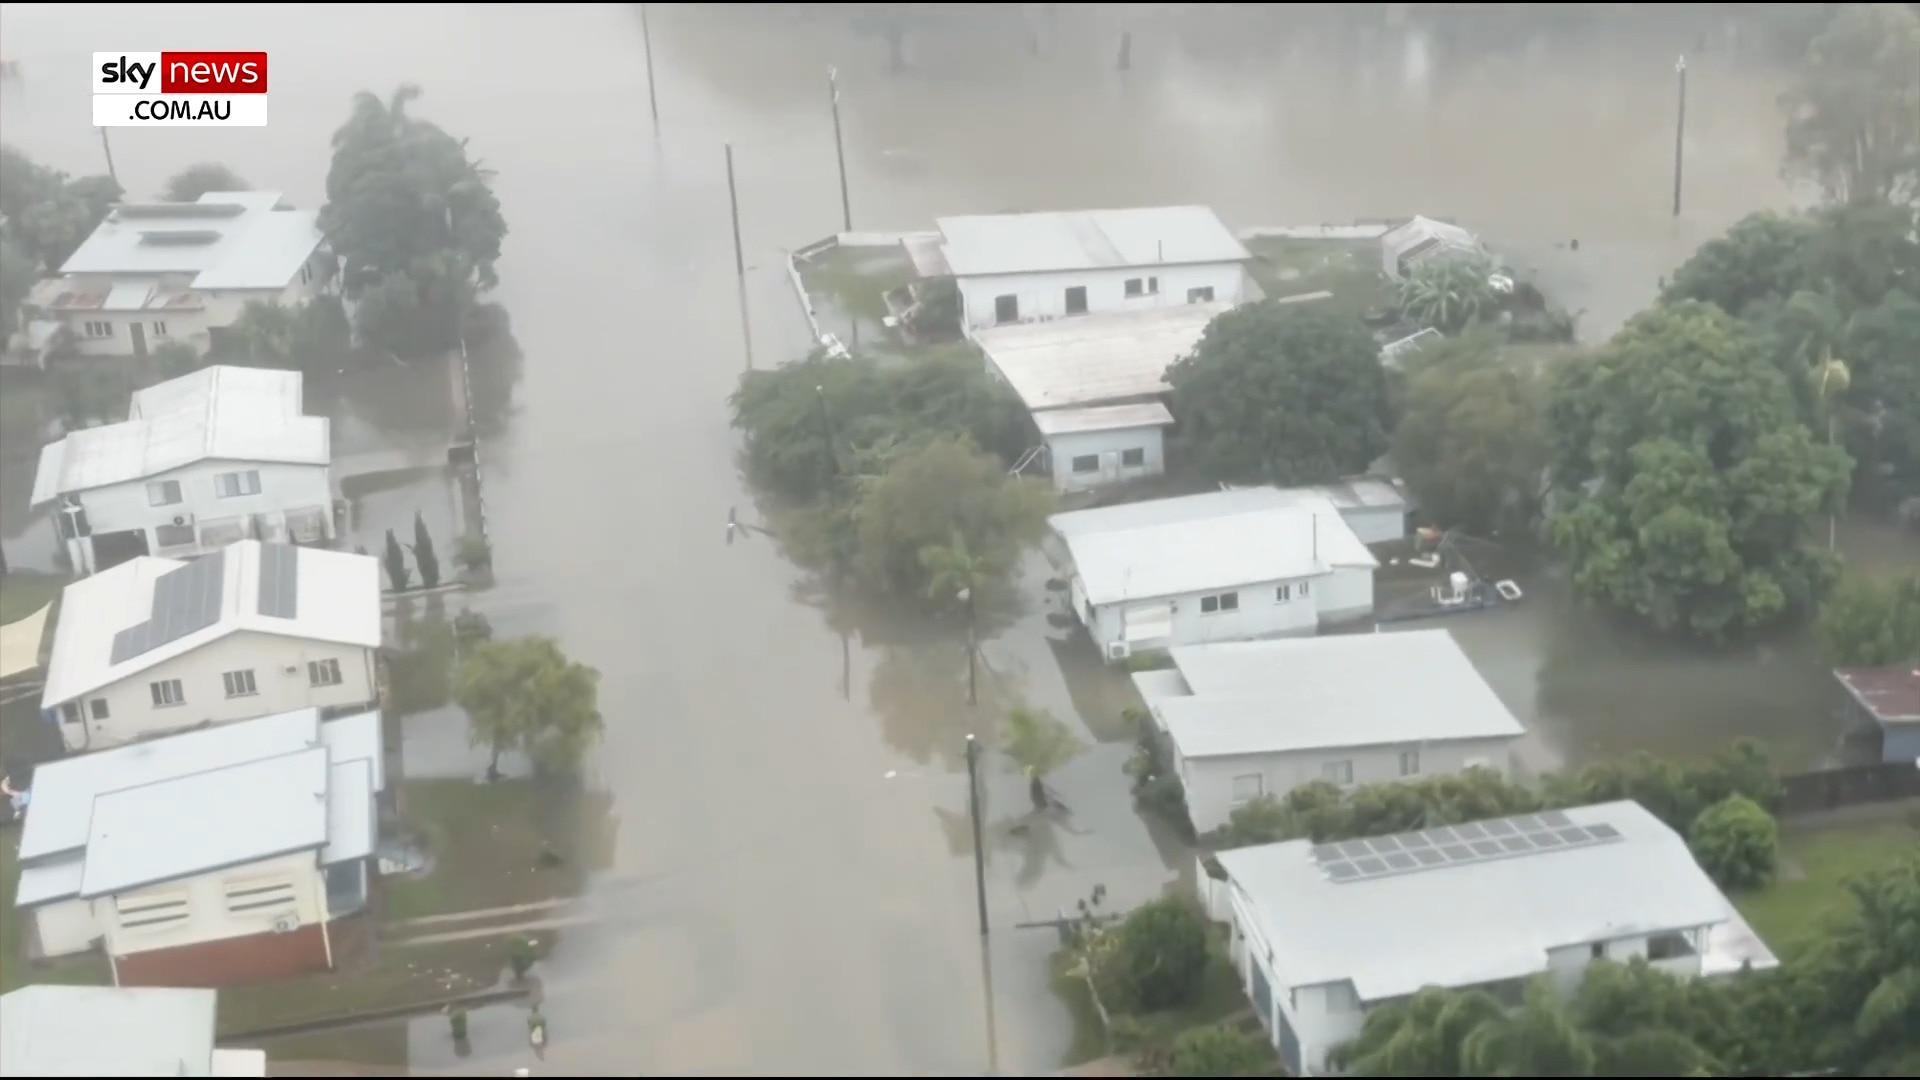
point(1045, 295)
point(131, 713)
point(203, 900)
point(1345, 594)
point(1062, 449)
point(1341, 594)
point(1376, 525)
point(189, 325)
point(283, 487)
point(65, 928)
point(1209, 781)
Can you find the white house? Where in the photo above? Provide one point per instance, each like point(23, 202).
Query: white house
point(156, 646)
point(1404, 247)
point(1324, 934)
point(159, 272)
point(209, 858)
point(96, 1031)
point(1250, 718)
point(1094, 386)
point(201, 461)
point(1374, 507)
point(1015, 268)
point(1223, 566)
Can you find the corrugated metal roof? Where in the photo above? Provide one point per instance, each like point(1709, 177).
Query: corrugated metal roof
point(338, 600)
point(1478, 922)
point(1206, 543)
point(1089, 359)
point(106, 1031)
point(1891, 694)
point(1086, 240)
point(217, 413)
point(1102, 418)
point(1271, 697)
point(259, 248)
point(351, 817)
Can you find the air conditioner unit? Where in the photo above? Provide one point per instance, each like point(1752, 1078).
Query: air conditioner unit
point(1118, 650)
point(286, 924)
point(180, 519)
point(292, 669)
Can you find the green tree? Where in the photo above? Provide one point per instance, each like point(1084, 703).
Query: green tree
point(524, 694)
point(1686, 485)
point(1758, 259)
point(395, 560)
point(16, 284)
point(1424, 1035)
point(1883, 426)
point(1859, 985)
point(48, 215)
point(1470, 443)
point(1282, 393)
point(1219, 1050)
point(190, 183)
point(1869, 623)
point(1641, 1021)
point(1158, 960)
point(1736, 842)
point(1448, 295)
point(308, 337)
point(927, 497)
point(1850, 117)
point(423, 554)
point(173, 359)
point(1038, 744)
point(1537, 1039)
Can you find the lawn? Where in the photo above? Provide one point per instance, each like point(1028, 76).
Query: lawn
point(1815, 866)
point(23, 593)
point(1349, 269)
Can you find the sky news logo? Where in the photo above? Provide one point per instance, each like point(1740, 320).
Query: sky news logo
point(180, 89)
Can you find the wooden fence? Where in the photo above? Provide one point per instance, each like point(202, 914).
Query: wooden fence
point(1833, 789)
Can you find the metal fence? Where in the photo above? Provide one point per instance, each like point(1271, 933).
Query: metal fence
point(1833, 789)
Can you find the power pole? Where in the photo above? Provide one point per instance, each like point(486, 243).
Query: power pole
point(1680, 134)
point(646, 43)
point(739, 258)
point(839, 148)
point(979, 849)
point(112, 173)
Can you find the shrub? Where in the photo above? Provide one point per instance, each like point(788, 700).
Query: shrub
point(1218, 1050)
point(1736, 842)
point(1159, 958)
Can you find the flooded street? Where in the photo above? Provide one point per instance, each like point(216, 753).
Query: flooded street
point(791, 890)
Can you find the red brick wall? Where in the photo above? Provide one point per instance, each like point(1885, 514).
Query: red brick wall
point(227, 962)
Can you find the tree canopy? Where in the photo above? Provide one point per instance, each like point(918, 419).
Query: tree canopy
point(1685, 483)
point(49, 214)
point(1470, 443)
point(524, 694)
point(926, 498)
point(1869, 623)
point(190, 183)
point(1850, 117)
point(1281, 393)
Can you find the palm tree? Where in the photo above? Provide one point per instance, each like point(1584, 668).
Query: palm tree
point(1537, 1039)
point(1425, 1035)
point(1448, 294)
point(1038, 744)
point(955, 572)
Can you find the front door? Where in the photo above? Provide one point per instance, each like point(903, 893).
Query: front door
point(139, 332)
point(1077, 300)
point(1006, 309)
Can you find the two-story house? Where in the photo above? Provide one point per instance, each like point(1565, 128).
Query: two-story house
point(1221, 566)
point(1245, 719)
point(209, 858)
point(220, 455)
point(156, 646)
point(1323, 934)
point(159, 272)
point(1014, 268)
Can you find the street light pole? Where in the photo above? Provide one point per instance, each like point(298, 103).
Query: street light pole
point(973, 668)
point(646, 43)
point(979, 849)
point(839, 148)
point(112, 173)
point(739, 258)
point(1680, 133)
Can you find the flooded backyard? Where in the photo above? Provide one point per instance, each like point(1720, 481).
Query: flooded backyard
point(780, 877)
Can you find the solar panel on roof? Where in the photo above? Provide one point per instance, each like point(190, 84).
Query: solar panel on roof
point(1554, 819)
point(185, 601)
point(1471, 831)
point(1603, 831)
point(1384, 844)
point(1342, 871)
point(279, 581)
point(1501, 828)
point(1458, 845)
point(1529, 823)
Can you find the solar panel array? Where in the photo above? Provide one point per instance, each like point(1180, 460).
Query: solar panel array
point(184, 600)
point(1458, 845)
point(279, 581)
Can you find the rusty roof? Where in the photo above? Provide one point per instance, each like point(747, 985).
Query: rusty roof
point(1889, 693)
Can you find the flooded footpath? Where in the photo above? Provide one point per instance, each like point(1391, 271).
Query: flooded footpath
point(789, 886)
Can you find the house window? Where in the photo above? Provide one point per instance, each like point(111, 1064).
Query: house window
point(1136, 287)
point(306, 274)
point(1248, 788)
point(1226, 601)
point(1409, 763)
point(324, 672)
point(1202, 295)
point(97, 328)
point(159, 329)
point(1283, 593)
point(99, 707)
point(163, 492)
point(70, 712)
point(258, 896)
point(1077, 300)
point(152, 912)
point(1086, 463)
point(1337, 772)
point(1006, 309)
point(166, 693)
point(172, 536)
point(232, 484)
point(1133, 458)
point(240, 683)
point(1599, 950)
point(1304, 588)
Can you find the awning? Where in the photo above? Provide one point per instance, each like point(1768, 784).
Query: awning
point(20, 643)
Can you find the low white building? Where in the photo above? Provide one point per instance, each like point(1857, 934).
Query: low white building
point(220, 455)
point(158, 272)
point(1017, 268)
point(97, 1031)
point(1094, 386)
point(156, 646)
point(1324, 934)
point(1250, 718)
point(1406, 246)
point(1374, 507)
point(1223, 566)
point(210, 858)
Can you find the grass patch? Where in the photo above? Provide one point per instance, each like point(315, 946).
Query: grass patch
point(88, 969)
point(493, 845)
point(1788, 913)
point(23, 593)
point(1349, 269)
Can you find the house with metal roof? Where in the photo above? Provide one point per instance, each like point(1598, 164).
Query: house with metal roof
point(153, 273)
point(1245, 719)
point(203, 460)
point(1887, 701)
point(209, 858)
point(156, 646)
point(1417, 240)
point(1322, 934)
point(1021, 268)
point(1228, 565)
point(96, 1031)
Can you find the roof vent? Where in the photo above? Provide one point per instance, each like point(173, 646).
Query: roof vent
point(178, 237)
